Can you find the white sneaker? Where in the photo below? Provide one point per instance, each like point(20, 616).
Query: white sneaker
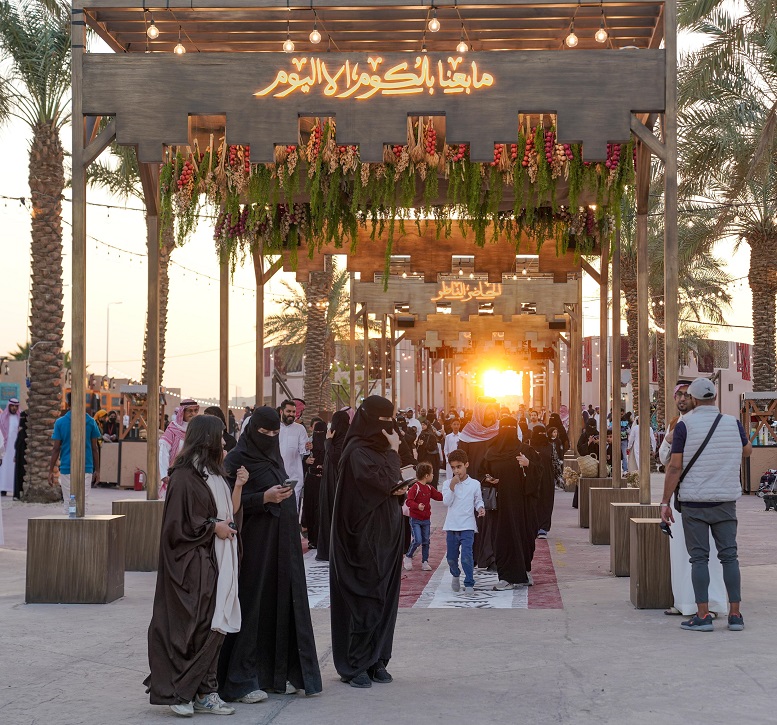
point(407, 563)
point(213, 704)
point(185, 709)
point(253, 697)
point(469, 590)
point(290, 689)
point(503, 585)
point(531, 580)
point(455, 584)
point(425, 566)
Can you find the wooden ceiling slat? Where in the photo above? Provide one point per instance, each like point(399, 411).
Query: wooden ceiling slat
point(246, 26)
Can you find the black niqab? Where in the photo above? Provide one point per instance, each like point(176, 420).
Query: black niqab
point(367, 429)
point(366, 544)
point(506, 444)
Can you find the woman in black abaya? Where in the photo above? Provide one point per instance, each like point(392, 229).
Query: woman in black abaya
point(366, 546)
point(315, 469)
point(515, 465)
point(275, 649)
point(333, 446)
point(546, 486)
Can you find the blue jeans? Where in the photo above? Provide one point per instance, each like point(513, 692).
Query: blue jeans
point(461, 540)
point(624, 457)
point(420, 531)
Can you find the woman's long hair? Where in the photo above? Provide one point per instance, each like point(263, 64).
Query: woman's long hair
point(202, 448)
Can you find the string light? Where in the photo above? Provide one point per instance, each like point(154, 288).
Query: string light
point(571, 39)
point(179, 49)
point(601, 35)
point(288, 44)
point(152, 32)
point(434, 23)
point(462, 47)
point(315, 36)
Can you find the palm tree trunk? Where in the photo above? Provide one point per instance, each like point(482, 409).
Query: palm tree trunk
point(47, 180)
point(165, 250)
point(629, 287)
point(318, 398)
point(658, 316)
point(763, 284)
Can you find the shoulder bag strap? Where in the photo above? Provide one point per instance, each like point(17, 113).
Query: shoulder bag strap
point(701, 448)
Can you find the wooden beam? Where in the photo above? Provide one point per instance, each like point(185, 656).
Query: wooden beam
point(576, 368)
point(564, 340)
point(616, 359)
point(382, 349)
point(352, 340)
point(272, 270)
point(393, 361)
point(671, 261)
point(590, 271)
point(399, 339)
point(603, 334)
point(224, 338)
point(104, 139)
point(149, 180)
point(258, 257)
point(152, 359)
point(643, 332)
point(644, 134)
point(78, 319)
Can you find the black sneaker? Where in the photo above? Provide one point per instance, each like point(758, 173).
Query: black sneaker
point(736, 622)
point(377, 673)
point(698, 624)
point(361, 681)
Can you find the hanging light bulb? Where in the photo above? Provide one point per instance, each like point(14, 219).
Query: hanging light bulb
point(515, 276)
point(462, 47)
point(315, 36)
point(152, 31)
point(288, 44)
point(461, 271)
point(434, 23)
point(524, 271)
point(571, 40)
point(179, 49)
point(601, 35)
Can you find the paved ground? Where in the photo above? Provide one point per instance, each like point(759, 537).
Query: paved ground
point(597, 660)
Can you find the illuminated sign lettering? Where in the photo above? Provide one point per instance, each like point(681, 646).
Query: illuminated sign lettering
point(349, 81)
point(464, 291)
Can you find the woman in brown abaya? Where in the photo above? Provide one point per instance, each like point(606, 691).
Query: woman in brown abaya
point(195, 602)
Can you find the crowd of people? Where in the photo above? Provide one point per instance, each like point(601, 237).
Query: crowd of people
point(231, 619)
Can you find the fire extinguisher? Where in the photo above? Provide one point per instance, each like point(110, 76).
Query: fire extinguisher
point(140, 480)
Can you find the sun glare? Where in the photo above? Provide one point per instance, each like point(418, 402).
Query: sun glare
point(502, 383)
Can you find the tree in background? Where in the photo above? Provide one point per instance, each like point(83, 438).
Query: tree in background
point(35, 45)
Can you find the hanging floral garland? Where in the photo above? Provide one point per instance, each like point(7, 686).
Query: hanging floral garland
point(262, 204)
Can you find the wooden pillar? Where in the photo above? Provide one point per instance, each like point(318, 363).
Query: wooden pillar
point(418, 376)
point(445, 385)
point(366, 325)
point(576, 366)
point(603, 333)
point(455, 384)
point(383, 355)
point(643, 334)
point(258, 255)
point(352, 340)
point(224, 338)
point(152, 345)
point(392, 361)
point(432, 375)
point(671, 262)
point(616, 359)
point(78, 321)
point(557, 377)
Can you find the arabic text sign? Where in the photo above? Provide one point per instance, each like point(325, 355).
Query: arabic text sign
point(354, 80)
point(456, 291)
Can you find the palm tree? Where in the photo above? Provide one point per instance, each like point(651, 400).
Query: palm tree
point(22, 352)
point(120, 175)
point(315, 316)
point(728, 135)
point(35, 43)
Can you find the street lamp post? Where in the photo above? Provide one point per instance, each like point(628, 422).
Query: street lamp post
point(108, 335)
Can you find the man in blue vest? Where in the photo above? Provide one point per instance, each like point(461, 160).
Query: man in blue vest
point(708, 494)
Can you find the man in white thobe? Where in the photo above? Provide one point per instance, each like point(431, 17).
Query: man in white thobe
point(293, 440)
point(9, 428)
point(634, 443)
